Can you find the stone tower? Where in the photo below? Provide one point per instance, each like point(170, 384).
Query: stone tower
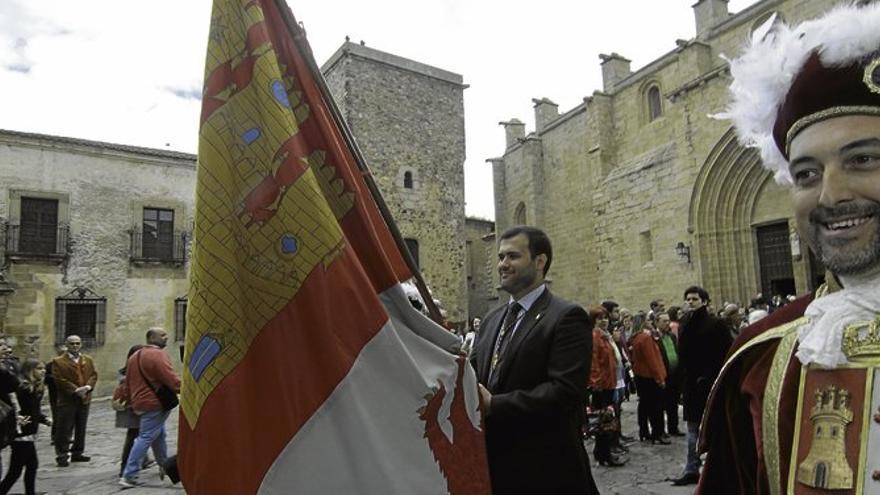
point(408, 119)
point(826, 466)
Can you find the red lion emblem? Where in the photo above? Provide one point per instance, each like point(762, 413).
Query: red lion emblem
point(463, 460)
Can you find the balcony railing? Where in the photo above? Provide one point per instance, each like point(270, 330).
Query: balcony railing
point(37, 241)
point(164, 248)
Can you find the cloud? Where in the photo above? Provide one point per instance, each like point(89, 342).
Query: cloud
point(20, 68)
point(191, 93)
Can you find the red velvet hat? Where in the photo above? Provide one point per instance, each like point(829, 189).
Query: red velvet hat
point(789, 78)
point(820, 92)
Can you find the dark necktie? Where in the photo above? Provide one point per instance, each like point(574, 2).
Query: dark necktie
point(510, 320)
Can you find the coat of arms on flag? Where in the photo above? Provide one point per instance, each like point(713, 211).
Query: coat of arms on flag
point(306, 369)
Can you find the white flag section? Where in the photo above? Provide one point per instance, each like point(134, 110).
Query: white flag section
point(370, 436)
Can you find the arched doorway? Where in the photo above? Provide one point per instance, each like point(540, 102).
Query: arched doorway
point(821, 479)
point(739, 218)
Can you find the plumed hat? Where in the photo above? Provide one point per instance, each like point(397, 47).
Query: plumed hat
point(789, 78)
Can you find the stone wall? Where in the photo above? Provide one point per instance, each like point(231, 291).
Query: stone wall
point(408, 119)
point(101, 190)
point(480, 255)
point(617, 190)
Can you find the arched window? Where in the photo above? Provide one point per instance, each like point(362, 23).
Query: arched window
point(655, 108)
point(519, 215)
point(407, 180)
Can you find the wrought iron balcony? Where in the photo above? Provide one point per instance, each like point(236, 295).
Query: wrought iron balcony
point(170, 248)
point(26, 240)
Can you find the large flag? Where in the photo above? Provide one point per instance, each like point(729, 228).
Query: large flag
point(307, 371)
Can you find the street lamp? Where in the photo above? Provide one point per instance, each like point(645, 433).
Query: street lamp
point(683, 251)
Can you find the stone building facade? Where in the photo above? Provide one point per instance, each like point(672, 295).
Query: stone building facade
point(408, 118)
point(642, 193)
point(95, 236)
point(480, 253)
point(94, 243)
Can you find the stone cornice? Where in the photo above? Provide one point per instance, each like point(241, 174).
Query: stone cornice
point(364, 52)
point(97, 148)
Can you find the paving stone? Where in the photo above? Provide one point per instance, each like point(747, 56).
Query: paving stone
point(645, 474)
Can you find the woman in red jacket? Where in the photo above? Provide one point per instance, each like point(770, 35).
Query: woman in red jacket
point(650, 376)
point(603, 380)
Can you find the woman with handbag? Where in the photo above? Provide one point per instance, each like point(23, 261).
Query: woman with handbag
point(24, 453)
point(603, 382)
point(125, 416)
point(153, 386)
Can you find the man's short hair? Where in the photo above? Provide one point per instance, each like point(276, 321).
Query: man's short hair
point(696, 289)
point(655, 303)
point(610, 306)
point(539, 243)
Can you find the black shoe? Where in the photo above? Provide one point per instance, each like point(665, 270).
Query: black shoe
point(676, 433)
point(660, 440)
point(63, 463)
point(687, 479)
point(627, 439)
point(612, 462)
point(80, 458)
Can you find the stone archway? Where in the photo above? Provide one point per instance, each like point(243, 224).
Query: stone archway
point(721, 215)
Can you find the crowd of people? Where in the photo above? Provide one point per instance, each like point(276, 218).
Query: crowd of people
point(69, 379)
point(642, 355)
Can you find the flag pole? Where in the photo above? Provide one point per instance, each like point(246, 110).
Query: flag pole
point(299, 37)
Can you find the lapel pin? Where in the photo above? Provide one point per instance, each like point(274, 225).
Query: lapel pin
point(538, 316)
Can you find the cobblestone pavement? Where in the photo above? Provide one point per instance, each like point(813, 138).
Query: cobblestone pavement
point(649, 466)
point(644, 474)
point(101, 474)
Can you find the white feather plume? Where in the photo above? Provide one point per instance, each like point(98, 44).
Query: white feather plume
point(763, 74)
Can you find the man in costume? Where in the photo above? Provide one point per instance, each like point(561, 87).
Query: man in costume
point(532, 359)
point(795, 409)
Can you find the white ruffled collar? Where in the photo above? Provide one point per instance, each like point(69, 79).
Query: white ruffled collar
point(820, 337)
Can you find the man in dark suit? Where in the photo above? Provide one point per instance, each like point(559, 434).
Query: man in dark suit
point(702, 347)
point(533, 362)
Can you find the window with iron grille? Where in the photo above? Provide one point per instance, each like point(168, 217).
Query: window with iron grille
point(180, 319)
point(38, 231)
point(158, 234)
point(81, 312)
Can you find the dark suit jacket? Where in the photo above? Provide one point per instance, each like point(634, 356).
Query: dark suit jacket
point(702, 346)
point(533, 429)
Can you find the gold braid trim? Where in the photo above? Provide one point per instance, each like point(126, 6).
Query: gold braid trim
point(772, 396)
point(829, 113)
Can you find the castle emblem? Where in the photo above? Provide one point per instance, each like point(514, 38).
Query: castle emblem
point(826, 466)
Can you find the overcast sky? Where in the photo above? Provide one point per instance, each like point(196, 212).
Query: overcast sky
point(130, 72)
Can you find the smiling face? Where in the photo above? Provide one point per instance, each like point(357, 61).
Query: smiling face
point(835, 165)
point(520, 273)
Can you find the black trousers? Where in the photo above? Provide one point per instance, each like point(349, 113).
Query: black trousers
point(72, 418)
point(602, 448)
point(650, 410)
point(24, 456)
point(671, 396)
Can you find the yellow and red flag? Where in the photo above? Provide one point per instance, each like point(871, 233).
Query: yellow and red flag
point(306, 369)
